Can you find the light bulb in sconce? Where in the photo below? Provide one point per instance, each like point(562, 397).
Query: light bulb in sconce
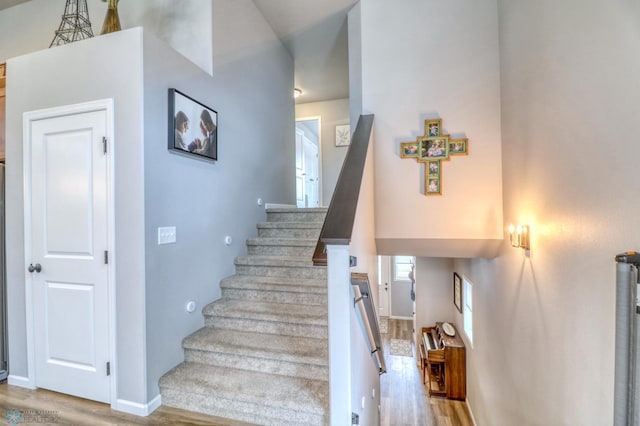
point(519, 236)
point(297, 92)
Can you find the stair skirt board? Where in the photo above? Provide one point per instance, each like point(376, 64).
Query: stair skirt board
point(262, 355)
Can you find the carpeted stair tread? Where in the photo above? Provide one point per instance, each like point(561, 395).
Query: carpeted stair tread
point(299, 225)
point(241, 386)
point(264, 311)
point(293, 285)
point(277, 261)
point(297, 210)
point(259, 345)
point(294, 242)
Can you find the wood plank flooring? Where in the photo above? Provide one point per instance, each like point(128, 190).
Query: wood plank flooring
point(404, 399)
point(44, 407)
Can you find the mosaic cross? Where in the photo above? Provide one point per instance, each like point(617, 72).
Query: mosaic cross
point(433, 148)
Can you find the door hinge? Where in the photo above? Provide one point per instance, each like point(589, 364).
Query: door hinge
point(108, 368)
point(106, 257)
point(104, 145)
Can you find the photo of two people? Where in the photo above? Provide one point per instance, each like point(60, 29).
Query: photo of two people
point(193, 126)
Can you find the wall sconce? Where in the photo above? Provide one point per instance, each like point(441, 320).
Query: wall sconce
point(297, 92)
point(519, 236)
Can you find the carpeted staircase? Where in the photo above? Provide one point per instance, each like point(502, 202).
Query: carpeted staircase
point(262, 355)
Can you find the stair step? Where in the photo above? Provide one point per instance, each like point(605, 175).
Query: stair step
point(270, 318)
point(283, 355)
point(289, 230)
point(275, 289)
point(296, 215)
point(291, 283)
point(276, 266)
point(248, 396)
point(281, 246)
point(275, 293)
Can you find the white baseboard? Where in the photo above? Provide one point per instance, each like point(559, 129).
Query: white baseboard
point(473, 419)
point(137, 409)
point(401, 318)
point(23, 382)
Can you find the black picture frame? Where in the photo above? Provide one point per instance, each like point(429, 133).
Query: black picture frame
point(457, 291)
point(200, 136)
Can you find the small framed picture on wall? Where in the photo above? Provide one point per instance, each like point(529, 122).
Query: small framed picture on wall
point(343, 135)
point(457, 291)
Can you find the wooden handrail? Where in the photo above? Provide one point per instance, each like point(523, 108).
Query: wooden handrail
point(338, 223)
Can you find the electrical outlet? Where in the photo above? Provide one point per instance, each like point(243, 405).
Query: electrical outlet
point(166, 235)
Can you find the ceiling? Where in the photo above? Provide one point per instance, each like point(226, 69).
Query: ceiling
point(315, 33)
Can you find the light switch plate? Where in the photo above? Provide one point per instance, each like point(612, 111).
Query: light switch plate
point(166, 235)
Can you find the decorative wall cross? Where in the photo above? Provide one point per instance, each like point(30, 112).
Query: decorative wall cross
point(433, 148)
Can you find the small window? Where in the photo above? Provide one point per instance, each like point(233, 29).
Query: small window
point(467, 309)
point(402, 266)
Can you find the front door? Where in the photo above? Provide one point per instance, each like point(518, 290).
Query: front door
point(68, 259)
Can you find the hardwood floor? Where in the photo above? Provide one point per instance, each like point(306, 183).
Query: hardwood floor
point(404, 399)
point(44, 407)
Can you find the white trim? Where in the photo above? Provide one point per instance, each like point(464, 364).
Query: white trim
point(20, 381)
point(136, 408)
point(473, 419)
point(28, 283)
point(340, 297)
point(106, 105)
point(320, 186)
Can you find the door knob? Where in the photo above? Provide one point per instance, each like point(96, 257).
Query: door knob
point(36, 268)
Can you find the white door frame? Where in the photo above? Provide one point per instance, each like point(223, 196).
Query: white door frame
point(319, 118)
point(29, 117)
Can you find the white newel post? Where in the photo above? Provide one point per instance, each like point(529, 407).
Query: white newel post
point(339, 288)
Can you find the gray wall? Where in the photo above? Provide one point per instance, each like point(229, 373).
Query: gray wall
point(332, 113)
point(434, 292)
point(207, 201)
point(116, 59)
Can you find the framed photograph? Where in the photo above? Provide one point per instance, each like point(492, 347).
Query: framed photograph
point(433, 127)
point(193, 127)
point(343, 135)
point(432, 185)
point(457, 291)
point(459, 146)
point(409, 149)
point(433, 168)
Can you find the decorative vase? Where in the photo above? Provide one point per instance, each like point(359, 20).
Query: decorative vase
point(111, 20)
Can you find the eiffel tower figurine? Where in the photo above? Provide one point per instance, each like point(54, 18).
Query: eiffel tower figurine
point(75, 23)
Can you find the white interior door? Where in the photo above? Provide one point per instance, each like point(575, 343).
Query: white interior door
point(69, 240)
point(308, 162)
point(300, 173)
point(311, 190)
point(383, 285)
